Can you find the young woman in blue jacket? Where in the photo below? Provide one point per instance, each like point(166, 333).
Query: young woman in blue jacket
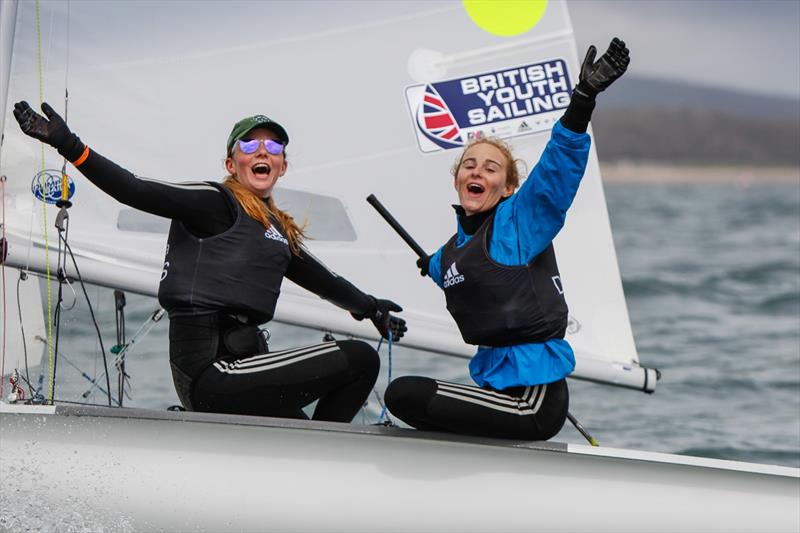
point(501, 281)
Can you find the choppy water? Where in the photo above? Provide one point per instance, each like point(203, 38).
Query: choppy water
point(712, 278)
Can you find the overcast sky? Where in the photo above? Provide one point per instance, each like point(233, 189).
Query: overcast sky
point(748, 45)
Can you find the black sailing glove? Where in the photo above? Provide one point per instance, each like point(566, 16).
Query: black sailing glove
point(422, 264)
point(383, 320)
point(51, 130)
point(597, 76)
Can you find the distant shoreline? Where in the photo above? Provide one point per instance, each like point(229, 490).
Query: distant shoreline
point(660, 173)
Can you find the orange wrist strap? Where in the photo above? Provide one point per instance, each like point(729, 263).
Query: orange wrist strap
point(83, 156)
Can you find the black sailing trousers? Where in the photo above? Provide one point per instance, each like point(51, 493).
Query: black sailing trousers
point(222, 366)
point(537, 412)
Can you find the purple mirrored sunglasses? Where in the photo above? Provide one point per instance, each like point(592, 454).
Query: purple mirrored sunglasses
point(250, 146)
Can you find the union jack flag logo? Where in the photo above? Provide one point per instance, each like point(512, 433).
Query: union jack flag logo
point(436, 122)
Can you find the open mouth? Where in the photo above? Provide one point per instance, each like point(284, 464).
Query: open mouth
point(261, 168)
point(475, 188)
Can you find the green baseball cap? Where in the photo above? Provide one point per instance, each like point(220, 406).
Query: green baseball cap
point(243, 127)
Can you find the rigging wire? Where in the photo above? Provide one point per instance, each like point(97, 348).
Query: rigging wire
point(83, 374)
point(3, 246)
point(44, 210)
point(62, 222)
point(143, 330)
point(22, 277)
point(94, 320)
point(62, 225)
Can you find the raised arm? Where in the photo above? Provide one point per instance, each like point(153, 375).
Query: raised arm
point(199, 205)
point(542, 202)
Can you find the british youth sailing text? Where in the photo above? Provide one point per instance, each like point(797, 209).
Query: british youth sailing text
point(518, 92)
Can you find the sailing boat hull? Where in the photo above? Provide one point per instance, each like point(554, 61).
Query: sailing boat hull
point(151, 470)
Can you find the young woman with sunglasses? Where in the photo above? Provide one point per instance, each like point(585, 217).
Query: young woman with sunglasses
point(217, 299)
point(501, 281)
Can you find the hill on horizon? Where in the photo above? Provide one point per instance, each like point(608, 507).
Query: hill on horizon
point(650, 120)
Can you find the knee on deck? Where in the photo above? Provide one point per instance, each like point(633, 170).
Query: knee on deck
point(409, 394)
point(361, 355)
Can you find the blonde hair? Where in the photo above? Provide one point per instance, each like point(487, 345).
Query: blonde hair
point(512, 169)
point(262, 211)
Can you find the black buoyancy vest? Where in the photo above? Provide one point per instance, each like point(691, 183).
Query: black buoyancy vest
point(238, 271)
point(500, 305)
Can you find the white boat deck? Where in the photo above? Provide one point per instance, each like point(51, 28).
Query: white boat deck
point(195, 471)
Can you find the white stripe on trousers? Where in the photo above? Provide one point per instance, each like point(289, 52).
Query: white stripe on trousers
point(516, 405)
point(271, 361)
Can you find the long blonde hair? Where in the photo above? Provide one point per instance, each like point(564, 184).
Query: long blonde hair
point(262, 211)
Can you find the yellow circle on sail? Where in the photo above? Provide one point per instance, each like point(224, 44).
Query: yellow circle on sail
point(505, 17)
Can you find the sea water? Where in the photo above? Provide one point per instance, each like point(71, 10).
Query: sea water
point(712, 279)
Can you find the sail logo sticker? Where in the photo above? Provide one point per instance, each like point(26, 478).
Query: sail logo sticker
point(275, 235)
point(452, 277)
point(505, 103)
point(46, 186)
point(436, 122)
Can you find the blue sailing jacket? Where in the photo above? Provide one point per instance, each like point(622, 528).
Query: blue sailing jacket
point(524, 225)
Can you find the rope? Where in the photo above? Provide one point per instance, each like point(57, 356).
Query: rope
point(388, 373)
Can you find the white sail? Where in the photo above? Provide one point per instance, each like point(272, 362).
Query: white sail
point(159, 94)
point(8, 19)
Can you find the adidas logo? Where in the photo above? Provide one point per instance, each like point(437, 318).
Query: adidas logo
point(275, 235)
point(452, 277)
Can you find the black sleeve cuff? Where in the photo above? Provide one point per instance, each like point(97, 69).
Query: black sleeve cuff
point(72, 148)
point(578, 114)
point(365, 308)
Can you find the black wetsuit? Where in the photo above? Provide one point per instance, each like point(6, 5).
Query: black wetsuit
point(219, 361)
